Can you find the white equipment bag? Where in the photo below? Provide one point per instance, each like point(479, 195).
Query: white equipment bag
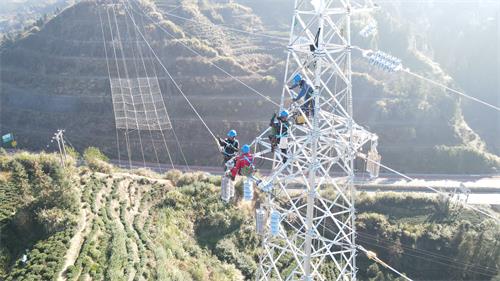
point(283, 143)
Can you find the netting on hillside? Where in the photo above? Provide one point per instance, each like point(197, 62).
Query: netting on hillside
point(138, 104)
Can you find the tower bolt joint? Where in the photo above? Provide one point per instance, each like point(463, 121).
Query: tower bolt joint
point(319, 53)
point(312, 193)
point(311, 233)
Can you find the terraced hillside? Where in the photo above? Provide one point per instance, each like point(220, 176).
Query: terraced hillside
point(55, 76)
point(103, 223)
point(127, 227)
point(61, 71)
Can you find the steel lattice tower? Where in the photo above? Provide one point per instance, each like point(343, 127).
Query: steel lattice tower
point(317, 237)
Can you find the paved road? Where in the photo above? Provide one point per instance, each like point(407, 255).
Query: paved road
point(386, 181)
point(218, 171)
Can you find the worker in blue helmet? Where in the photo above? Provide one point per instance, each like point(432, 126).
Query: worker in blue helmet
point(306, 92)
point(229, 146)
point(279, 133)
point(244, 163)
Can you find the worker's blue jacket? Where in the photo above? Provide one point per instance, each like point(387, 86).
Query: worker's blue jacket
point(305, 90)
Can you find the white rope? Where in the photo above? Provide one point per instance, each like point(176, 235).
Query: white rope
point(213, 64)
point(128, 82)
point(172, 78)
point(451, 90)
point(434, 189)
point(172, 125)
point(136, 67)
point(109, 77)
point(127, 143)
point(226, 27)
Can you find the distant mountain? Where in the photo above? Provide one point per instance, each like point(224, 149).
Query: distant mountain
point(56, 77)
point(16, 15)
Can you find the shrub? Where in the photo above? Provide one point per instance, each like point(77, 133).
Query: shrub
point(100, 166)
point(226, 251)
point(54, 219)
point(173, 175)
point(96, 160)
point(146, 173)
point(72, 152)
point(93, 153)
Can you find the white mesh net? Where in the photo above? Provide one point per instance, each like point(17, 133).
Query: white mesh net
point(138, 104)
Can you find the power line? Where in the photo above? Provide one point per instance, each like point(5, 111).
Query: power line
point(451, 90)
point(430, 255)
point(136, 68)
point(432, 188)
point(226, 27)
point(427, 253)
point(392, 64)
point(171, 78)
point(427, 259)
point(120, 42)
point(213, 64)
point(109, 77)
point(171, 120)
point(483, 270)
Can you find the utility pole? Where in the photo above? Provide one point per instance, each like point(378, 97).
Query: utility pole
point(59, 137)
point(312, 229)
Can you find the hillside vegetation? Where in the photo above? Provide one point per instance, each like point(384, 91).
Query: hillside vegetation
point(100, 223)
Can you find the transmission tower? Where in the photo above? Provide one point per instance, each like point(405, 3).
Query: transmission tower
point(307, 218)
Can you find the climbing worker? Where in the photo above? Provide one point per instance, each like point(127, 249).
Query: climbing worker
point(229, 146)
point(244, 163)
point(279, 135)
point(306, 91)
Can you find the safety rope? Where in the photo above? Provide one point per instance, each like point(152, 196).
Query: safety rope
point(373, 256)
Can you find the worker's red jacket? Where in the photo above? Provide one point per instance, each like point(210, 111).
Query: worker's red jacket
point(242, 161)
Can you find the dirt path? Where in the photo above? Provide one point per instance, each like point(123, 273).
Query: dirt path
point(132, 247)
point(75, 243)
point(85, 223)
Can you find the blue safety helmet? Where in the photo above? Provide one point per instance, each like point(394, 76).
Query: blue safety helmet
point(284, 114)
point(232, 134)
point(245, 148)
point(297, 78)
